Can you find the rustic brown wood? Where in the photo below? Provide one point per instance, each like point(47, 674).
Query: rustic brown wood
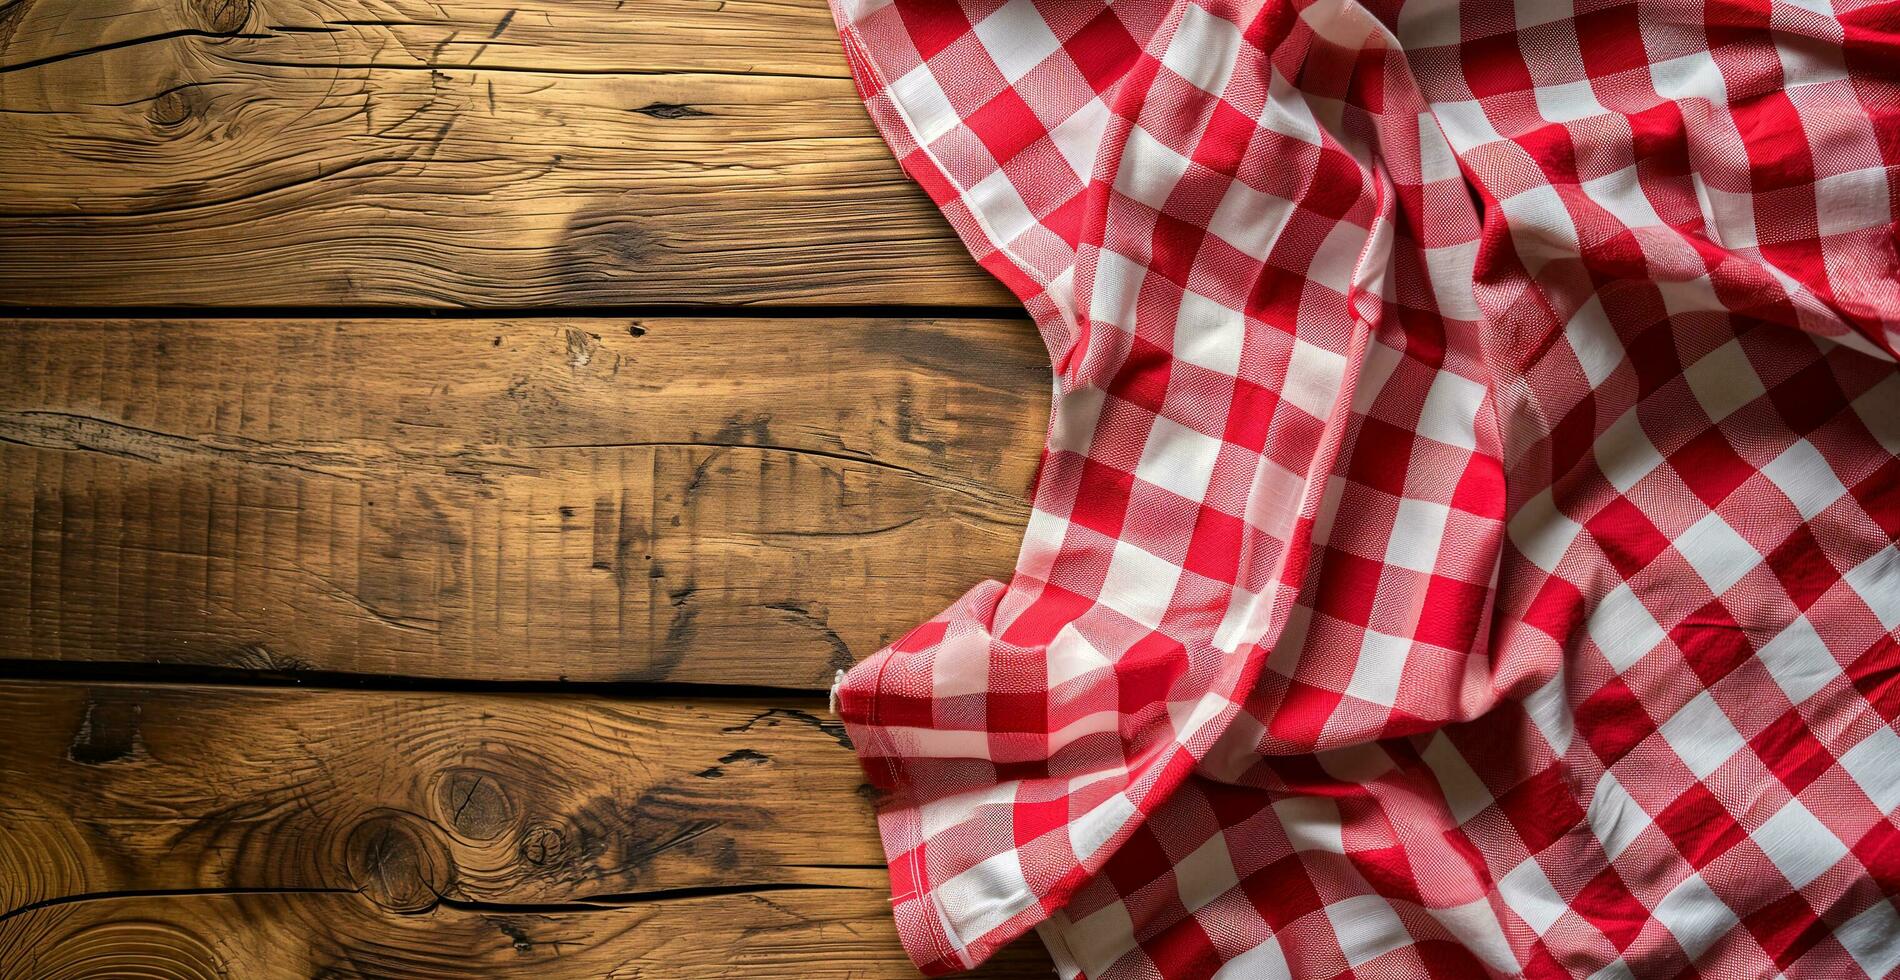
point(831, 933)
point(502, 500)
point(556, 152)
point(727, 501)
point(200, 832)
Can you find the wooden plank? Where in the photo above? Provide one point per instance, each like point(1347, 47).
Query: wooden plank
point(741, 37)
point(192, 831)
point(726, 501)
point(785, 933)
point(408, 152)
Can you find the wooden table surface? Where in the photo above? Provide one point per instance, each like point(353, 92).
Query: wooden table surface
point(446, 449)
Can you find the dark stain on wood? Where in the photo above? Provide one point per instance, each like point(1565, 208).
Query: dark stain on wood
point(603, 239)
point(670, 110)
point(772, 717)
point(730, 758)
point(108, 732)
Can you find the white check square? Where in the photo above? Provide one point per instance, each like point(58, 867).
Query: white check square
point(1017, 38)
point(1624, 453)
point(1139, 585)
point(1149, 169)
point(1366, 928)
point(1799, 844)
point(1872, 938)
point(1702, 736)
point(1874, 763)
point(1209, 334)
point(1805, 476)
point(1206, 874)
point(1529, 893)
point(1380, 666)
point(1851, 201)
point(1541, 532)
point(1098, 939)
point(922, 101)
point(1178, 459)
point(1622, 628)
point(1568, 102)
point(1416, 533)
point(995, 201)
point(989, 893)
point(1203, 50)
point(1594, 341)
point(1249, 220)
point(1311, 823)
point(1799, 660)
point(1451, 410)
point(1615, 816)
point(1313, 375)
point(1877, 582)
point(1695, 915)
point(1724, 380)
point(1717, 553)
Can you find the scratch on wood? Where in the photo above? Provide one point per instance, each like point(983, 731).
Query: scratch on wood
point(580, 347)
point(686, 835)
point(410, 624)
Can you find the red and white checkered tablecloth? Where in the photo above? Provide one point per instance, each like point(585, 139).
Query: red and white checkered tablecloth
point(1465, 543)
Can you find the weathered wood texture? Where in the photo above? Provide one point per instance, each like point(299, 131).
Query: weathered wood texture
point(410, 152)
point(499, 501)
point(208, 832)
point(728, 501)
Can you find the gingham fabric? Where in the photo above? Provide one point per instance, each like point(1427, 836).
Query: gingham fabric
point(1465, 542)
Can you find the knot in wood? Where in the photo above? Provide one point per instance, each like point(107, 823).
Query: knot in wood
point(222, 16)
point(170, 109)
point(474, 803)
point(543, 845)
point(394, 864)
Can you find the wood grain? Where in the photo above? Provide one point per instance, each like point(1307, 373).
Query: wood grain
point(408, 152)
point(356, 509)
point(199, 832)
point(726, 501)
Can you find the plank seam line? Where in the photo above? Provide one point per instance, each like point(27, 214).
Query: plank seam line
point(512, 69)
point(609, 903)
point(655, 311)
point(125, 674)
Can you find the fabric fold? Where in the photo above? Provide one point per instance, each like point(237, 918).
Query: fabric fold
point(1465, 540)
